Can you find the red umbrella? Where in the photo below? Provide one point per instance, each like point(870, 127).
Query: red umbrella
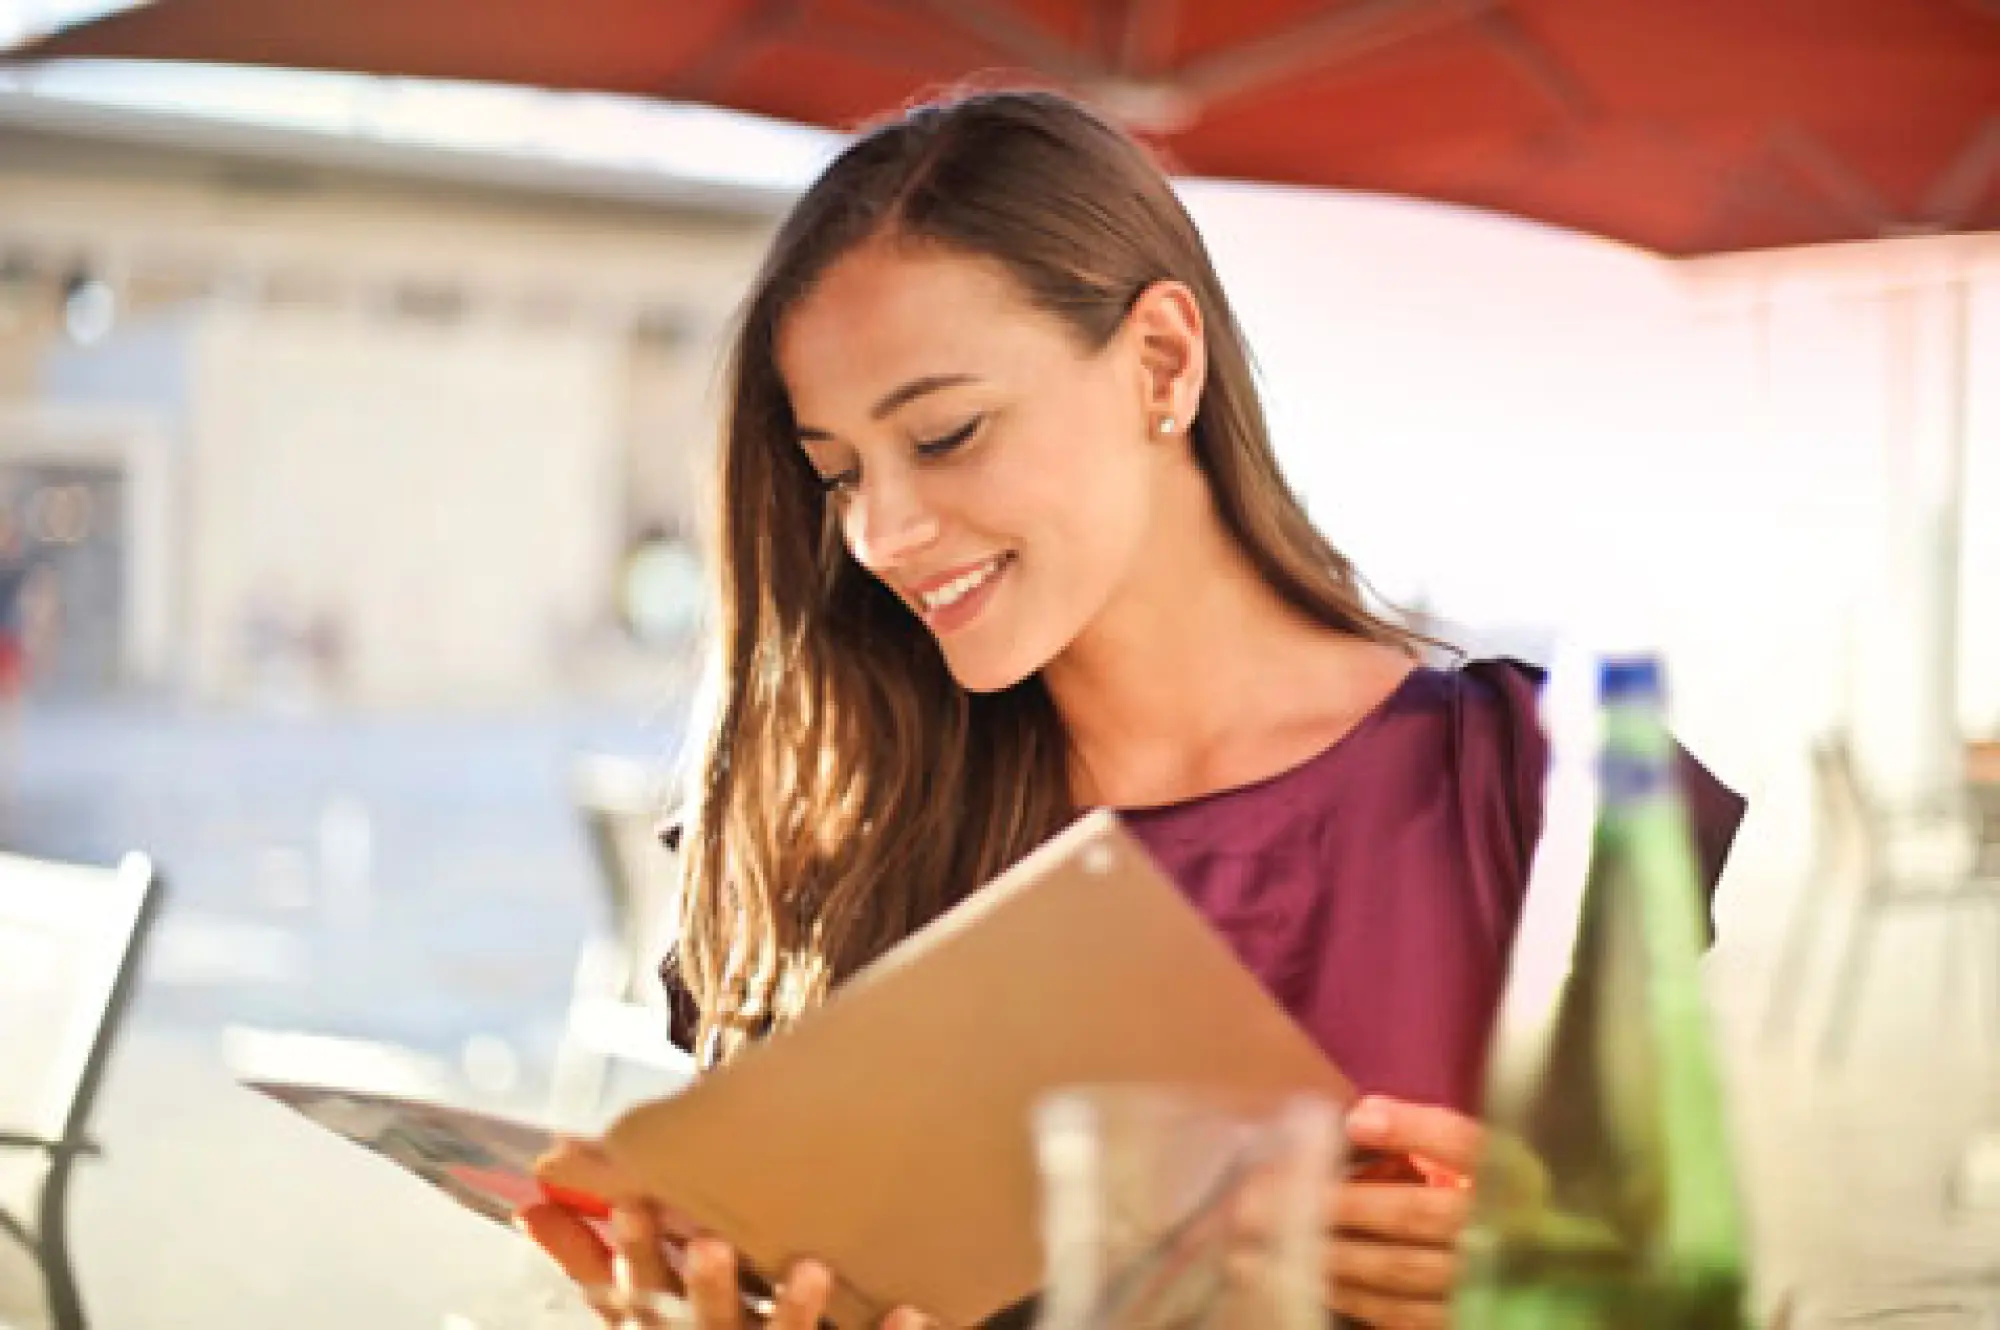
point(1686, 126)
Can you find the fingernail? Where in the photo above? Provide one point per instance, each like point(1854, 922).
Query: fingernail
point(809, 1282)
point(1369, 1116)
point(698, 1256)
point(704, 1257)
point(628, 1225)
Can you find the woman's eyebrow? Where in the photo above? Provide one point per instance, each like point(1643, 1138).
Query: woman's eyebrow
point(915, 388)
point(895, 399)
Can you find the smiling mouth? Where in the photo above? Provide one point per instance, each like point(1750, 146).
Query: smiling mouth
point(948, 595)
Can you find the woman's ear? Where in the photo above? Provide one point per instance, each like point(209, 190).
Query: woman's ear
point(1165, 326)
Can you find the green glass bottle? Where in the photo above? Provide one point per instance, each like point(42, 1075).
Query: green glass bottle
point(1608, 1193)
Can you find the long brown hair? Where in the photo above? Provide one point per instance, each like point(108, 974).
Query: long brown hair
point(848, 790)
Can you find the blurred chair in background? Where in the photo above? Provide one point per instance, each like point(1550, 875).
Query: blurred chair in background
point(1894, 859)
point(618, 1009)
point(71, 938)
point(1982, 778)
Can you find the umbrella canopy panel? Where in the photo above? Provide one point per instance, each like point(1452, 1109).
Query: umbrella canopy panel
point(1700, 126)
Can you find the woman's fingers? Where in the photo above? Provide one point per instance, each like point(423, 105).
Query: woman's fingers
point(1439, 1135)
point(583, 1166)
point(1393, 1261)
point(711, 1285)
point(636, 1259)
point(1393, 1268)
point(637, 1234)
point(1433, 1216)
point(802, 1297)
point(569, 1241)
point(1384, 1311)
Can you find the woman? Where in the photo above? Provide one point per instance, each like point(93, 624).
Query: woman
point(1002, 537)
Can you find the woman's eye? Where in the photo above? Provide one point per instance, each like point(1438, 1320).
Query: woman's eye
point(940, 446)
point(841, 482)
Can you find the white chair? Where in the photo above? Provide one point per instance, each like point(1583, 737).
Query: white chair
point(1894, 860)
point(618, 1009)
point(70, 942)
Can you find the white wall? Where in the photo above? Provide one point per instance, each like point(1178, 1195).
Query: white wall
point(452, 494)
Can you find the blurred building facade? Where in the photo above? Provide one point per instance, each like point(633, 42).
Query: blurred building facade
point(373, 425)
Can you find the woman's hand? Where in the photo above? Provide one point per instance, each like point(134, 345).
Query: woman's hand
point(1392, 1262)
point(636, 1259)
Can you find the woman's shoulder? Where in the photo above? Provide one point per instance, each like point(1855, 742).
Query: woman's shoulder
point(1500, 754)
point(1475, 720)
point(1493, 689)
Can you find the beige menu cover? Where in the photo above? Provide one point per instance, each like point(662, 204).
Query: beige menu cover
point(887, 1134)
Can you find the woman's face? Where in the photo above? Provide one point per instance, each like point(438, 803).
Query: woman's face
point(990, 471)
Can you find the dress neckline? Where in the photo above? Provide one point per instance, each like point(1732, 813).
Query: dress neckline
point(1371, 719)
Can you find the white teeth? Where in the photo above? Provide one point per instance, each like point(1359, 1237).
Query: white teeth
point(960, 587)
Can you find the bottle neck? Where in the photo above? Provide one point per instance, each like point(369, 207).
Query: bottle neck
point(1637, 761)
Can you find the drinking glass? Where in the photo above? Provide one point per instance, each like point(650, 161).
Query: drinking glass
point(1178, 1208)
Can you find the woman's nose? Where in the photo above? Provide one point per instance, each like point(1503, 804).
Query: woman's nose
point(887, 525)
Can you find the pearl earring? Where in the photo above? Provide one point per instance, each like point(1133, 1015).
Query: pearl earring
point(1164, 426)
